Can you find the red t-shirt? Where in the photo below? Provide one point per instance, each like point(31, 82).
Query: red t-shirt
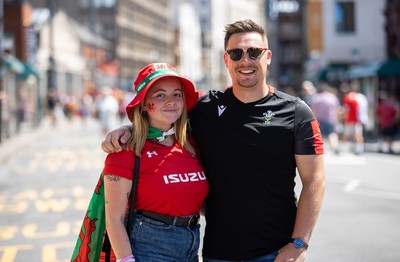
point(171, 180)
point(386, 114)
point(351, 105)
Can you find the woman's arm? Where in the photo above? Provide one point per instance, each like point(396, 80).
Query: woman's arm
point(117, 191)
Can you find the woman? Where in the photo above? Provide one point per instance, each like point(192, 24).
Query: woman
point(171, 185)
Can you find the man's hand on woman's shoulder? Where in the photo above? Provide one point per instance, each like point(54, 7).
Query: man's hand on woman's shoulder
point(114, 141)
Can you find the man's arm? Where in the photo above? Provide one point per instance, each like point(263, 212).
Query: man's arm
point(311, 171)
point(115, 140)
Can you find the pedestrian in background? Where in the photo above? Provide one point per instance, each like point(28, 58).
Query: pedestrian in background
point(252, 137)
point(308, 91)
point(326, 109)
point(107, 109)
point(171, 185)
point(356, 115)
point(52, 103)
point(85, 107)
point(388, 115)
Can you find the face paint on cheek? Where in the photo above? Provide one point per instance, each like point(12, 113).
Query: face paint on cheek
point(151, 107)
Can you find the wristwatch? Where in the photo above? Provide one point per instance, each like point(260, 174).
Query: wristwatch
point(298, 243)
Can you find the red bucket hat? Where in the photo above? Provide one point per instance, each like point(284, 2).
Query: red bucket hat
point(153, 72)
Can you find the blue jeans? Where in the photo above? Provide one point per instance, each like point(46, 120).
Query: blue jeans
point(158, 242)
point(266, 258)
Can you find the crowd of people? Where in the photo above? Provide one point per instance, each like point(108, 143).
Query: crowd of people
point(344, 112)
point(105, 104)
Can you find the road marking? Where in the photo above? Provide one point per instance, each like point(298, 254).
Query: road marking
point(345, 159)
point(351, 186)
point(61, 229)
point(49, 253)
point(8, 253)
point(377, 194)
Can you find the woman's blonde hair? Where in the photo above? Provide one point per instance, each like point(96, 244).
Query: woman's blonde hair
point(140, 129)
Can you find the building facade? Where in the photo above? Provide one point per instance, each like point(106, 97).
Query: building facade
point(140, 31)
point(144, 34)
point(340, 36)
point(391, 68)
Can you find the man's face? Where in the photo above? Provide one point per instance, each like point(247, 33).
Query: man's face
point(247, 72)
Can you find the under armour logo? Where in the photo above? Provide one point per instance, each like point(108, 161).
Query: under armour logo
point(150, 154)
point(221, 109)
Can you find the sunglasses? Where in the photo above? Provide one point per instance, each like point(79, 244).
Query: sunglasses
point(254, 53)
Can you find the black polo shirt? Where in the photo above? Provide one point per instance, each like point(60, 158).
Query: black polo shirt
point(248, 153)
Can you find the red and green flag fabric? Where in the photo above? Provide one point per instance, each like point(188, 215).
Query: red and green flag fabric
point(89, 245)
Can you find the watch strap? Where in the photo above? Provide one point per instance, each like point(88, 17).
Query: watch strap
point(299, 243)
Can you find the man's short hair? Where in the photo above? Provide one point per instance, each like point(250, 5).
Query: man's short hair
point(242, 26)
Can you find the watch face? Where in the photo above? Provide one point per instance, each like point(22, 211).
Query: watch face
point(298, 242)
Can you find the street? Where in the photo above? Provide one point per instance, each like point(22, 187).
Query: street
point(48, 175)
point(359, 218)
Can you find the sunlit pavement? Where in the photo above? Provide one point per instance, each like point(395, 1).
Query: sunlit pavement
point(46, 179)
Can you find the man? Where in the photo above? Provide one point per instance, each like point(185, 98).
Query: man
point(326, 109)
point(251, 139)
point(356, 115)
point(388, 115)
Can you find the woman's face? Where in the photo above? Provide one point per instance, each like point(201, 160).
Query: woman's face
point(164, 103)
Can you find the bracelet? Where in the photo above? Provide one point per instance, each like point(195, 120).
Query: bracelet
point(129, 258)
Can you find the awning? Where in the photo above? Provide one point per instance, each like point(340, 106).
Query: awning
point(332, 72)
point(22, 70)
point(13, 64)
point(390, 68)
point(364, 70)
point(30, 70)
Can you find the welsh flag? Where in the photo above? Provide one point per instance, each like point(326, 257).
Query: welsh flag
point(92, 244)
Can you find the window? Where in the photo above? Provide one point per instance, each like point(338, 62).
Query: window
point(97, 3)
point(104, 3)
point(344, 17)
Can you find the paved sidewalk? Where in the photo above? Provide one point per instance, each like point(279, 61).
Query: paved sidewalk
point(12, 145)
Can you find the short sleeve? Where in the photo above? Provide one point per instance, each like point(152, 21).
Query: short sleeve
point(308, 138)
point(120, 164)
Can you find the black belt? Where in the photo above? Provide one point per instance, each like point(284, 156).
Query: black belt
point(189, 221)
